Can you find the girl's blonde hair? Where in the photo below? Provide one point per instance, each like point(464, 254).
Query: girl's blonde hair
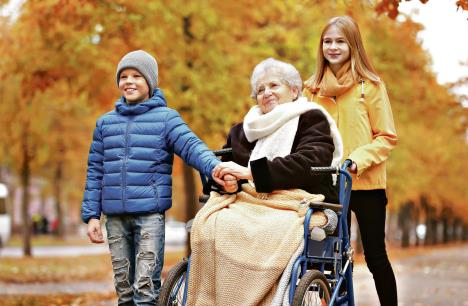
point(361, 67)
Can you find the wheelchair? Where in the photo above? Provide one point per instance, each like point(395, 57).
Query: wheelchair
point(321, 275)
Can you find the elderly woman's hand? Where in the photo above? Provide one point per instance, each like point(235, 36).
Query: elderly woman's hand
point(232, 168)
point(231, 183)
point(228, 181)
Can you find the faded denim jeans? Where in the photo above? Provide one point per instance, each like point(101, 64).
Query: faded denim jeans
point(136, 244)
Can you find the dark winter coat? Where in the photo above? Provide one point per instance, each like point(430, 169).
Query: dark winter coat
point(312, 146)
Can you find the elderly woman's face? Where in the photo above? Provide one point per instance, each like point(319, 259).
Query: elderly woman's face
point(271, 92)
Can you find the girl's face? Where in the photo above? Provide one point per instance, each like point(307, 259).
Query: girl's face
point(335, 49)
point(271, 92)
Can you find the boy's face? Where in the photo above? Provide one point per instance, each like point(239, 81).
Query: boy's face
point(133, 86)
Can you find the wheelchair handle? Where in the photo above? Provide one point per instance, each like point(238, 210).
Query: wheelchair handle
point(222, 152)
point(324, 170)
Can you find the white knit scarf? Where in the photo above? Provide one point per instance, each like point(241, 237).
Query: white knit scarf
point(275, 131)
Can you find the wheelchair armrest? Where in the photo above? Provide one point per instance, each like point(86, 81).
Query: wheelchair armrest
point(203, 198)
point(188, 225)
point(323, 205)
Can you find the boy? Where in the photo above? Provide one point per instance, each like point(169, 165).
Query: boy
point(129, 177)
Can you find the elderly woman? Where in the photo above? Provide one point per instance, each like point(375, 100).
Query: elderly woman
point(244, 242)
point(281, 137)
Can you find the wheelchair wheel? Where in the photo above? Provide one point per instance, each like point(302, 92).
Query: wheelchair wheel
point(172, 290)
point(312, 290)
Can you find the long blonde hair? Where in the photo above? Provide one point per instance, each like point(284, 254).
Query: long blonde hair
point(361, 67)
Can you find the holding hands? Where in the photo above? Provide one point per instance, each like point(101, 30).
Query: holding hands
point(228, 173)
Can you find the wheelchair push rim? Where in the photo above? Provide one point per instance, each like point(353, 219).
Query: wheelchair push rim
point(172, 291)
point(312, 290)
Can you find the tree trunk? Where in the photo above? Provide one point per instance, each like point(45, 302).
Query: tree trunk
point(58, 176)
point(190, 199)
point(25, 181)
point(404, 221)
point(457, 229)
point(431, 223)
point(445, 225)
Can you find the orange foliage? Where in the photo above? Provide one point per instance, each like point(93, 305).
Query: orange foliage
point(390, 7)
point(59, 58)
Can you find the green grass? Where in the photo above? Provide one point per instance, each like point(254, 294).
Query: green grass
point(64, 269)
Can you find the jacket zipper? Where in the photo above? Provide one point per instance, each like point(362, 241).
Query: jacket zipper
point(124, 167)
point(337, 107)
point(337, 112)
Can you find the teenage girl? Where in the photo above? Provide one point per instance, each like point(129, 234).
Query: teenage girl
point(348, 86)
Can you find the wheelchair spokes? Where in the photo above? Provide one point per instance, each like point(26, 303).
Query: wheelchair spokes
point(312, 290)
point(177, 294)
point(172, 291)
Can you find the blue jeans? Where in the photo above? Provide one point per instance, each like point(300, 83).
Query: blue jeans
point(136, 244)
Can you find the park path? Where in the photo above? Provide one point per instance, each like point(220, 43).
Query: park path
point(436, 277)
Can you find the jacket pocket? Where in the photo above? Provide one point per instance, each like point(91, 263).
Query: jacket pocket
point(155, 189)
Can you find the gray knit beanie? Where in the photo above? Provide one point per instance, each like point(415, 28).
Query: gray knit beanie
point(144, 63)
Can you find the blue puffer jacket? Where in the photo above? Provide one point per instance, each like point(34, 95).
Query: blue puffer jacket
point(131, 156)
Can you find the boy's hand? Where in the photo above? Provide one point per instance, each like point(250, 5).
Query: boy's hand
point(94, 231)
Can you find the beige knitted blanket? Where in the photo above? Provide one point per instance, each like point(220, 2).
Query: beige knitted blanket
point(242, 243)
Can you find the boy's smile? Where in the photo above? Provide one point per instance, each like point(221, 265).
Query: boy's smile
point(133, 86)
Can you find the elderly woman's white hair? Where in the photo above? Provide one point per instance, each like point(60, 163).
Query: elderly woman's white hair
point(287, 73)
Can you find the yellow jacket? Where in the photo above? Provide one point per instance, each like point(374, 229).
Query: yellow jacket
point(367, 128)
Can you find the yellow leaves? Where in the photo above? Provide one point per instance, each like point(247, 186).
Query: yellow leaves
point(61, 58)
point(30, 270)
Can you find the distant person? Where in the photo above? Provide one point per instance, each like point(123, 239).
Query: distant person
point(36, 220)
point(44, 225)
point(348, 87)
point(129, 177)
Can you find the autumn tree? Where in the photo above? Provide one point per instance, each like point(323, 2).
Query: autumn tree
point(59, 58)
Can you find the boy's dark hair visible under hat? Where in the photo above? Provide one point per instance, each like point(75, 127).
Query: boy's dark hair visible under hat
point(144, 63)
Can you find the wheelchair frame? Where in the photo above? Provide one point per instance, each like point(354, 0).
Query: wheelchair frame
point(332, 251)
point(318, 256)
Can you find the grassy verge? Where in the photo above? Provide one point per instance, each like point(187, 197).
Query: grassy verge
point(64, 269)
point(58, 299)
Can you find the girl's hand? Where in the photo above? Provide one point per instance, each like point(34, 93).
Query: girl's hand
point(353, 168)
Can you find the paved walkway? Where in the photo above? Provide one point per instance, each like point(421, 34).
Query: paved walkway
point(57, 251)
point(435, 278)
point(61, 251)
